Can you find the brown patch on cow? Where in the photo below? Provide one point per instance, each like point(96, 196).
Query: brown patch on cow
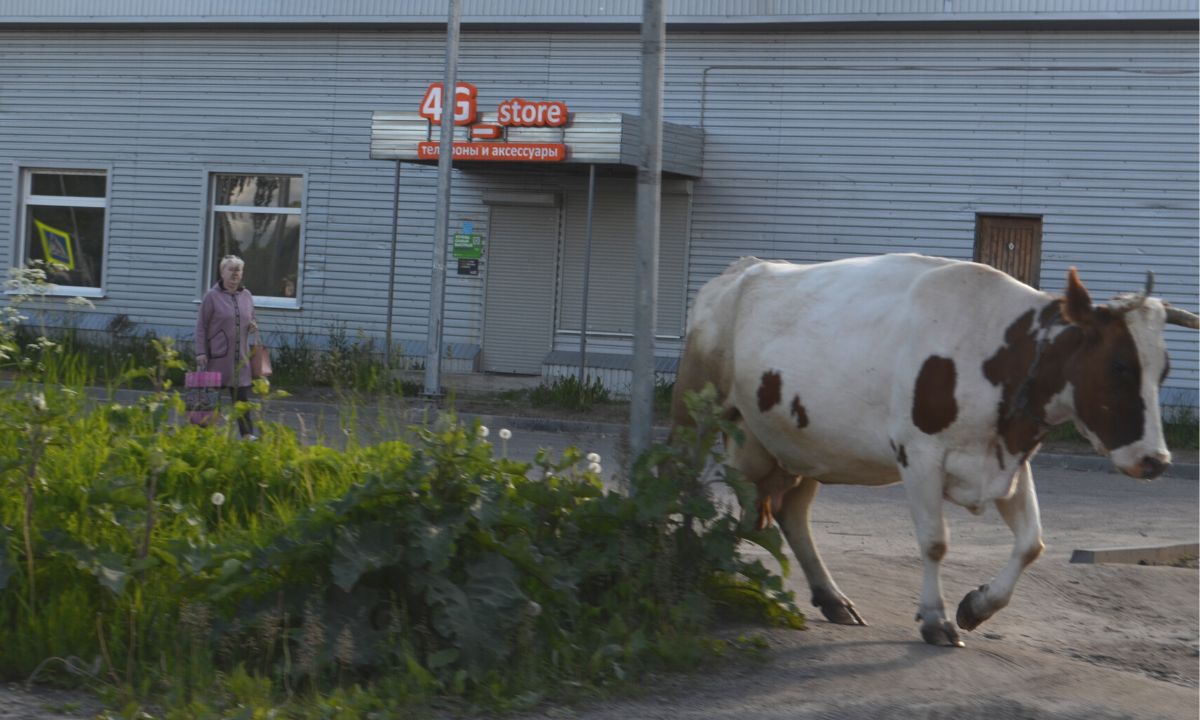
point(1107, 379)
point(770, 390)
point(902, 456)
point(1095, 353)
point(1024, 389)
point(937, 551)
point(799, 412)
point(934, 408)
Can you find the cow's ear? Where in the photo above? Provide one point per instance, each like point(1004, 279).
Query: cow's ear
point(1077, 306)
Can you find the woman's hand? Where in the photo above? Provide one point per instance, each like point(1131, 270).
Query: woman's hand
point(201, 361)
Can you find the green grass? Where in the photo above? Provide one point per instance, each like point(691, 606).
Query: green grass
point(569, 393)
point(172, 566)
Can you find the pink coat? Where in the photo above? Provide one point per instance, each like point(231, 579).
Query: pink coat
point(223, 334)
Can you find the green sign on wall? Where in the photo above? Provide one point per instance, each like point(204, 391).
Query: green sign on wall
point(468, 246)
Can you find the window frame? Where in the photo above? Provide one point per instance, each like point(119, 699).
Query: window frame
point(25, 198)
point(205, 274)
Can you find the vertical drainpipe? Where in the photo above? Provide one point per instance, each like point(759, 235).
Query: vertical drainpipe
point(641, 413)
point(587, 276)
point(387, 347)
point(441, 231)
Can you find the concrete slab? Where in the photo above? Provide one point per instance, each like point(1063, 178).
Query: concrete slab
point(1152, 555)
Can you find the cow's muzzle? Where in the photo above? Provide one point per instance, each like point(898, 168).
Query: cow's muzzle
point(1150, 467)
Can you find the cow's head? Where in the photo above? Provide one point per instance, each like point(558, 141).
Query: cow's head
point(1116, 372)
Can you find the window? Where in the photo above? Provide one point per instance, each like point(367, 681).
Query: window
point(258, 218)
point(63, 220)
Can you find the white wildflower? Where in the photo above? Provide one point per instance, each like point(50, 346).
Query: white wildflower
point(482, 431)
point(38, 400)
point(218, 499)
point(505, 433)
point(81, 302)
point(593, 457)
point(595, 467)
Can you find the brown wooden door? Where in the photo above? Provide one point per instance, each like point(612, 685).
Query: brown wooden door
point(1012, 244)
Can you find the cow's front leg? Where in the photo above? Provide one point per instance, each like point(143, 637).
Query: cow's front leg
point(924, 489)
point(793, 519)
point(1020, 511)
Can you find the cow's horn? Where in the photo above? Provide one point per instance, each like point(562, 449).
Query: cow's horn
point(1133, 301)
point(1175, 316)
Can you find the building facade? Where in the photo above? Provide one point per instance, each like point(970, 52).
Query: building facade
point(140, 141)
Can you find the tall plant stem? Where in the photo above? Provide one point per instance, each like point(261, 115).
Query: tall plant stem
point(151, 488)
point(27, 529)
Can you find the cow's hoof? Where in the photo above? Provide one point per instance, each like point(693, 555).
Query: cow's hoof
point(836, 609)
point(973, 609)
point(941, 632)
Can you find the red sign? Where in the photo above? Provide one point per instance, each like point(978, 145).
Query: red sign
point(512, 152)
point(525, 113)
point(464, 104)
point(514, 112)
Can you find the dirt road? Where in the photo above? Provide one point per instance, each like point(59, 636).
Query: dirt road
point(1078, 641)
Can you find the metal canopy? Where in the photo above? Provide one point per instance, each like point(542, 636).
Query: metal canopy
point(601, 139)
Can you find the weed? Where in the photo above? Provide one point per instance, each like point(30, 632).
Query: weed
point(569, 393)
point(218, 578)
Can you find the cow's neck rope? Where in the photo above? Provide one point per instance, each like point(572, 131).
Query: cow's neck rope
point(1020, 402)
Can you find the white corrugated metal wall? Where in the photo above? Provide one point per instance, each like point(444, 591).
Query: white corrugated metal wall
point(818, 145)
point(898, 142)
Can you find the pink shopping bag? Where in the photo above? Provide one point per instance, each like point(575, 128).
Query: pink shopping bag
point(202, 397)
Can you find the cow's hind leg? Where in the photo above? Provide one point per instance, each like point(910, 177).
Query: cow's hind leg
point(1020, 511)
point(924, 489)
point(793, 519)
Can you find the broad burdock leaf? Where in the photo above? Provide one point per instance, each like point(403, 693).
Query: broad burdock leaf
point(480, 616)
point(437, 544)
point(359, 550)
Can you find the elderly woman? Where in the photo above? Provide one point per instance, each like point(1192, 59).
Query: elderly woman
point(223, 331)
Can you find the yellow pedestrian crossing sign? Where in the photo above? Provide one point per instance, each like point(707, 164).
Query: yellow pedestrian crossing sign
point(56, 245)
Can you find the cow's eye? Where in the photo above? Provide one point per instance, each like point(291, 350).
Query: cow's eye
point(1121, 370)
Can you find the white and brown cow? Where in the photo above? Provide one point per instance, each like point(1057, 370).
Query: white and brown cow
point(940, 374)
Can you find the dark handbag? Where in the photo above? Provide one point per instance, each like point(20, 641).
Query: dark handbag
point(260, 362)
point(202, 397)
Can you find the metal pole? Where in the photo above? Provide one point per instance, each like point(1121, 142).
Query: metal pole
point(441, 231)
point(649, 179)
point(387, 346)
point(587, 276)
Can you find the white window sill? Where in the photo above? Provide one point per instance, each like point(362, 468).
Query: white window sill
point(277, 303)
point(65, 291)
